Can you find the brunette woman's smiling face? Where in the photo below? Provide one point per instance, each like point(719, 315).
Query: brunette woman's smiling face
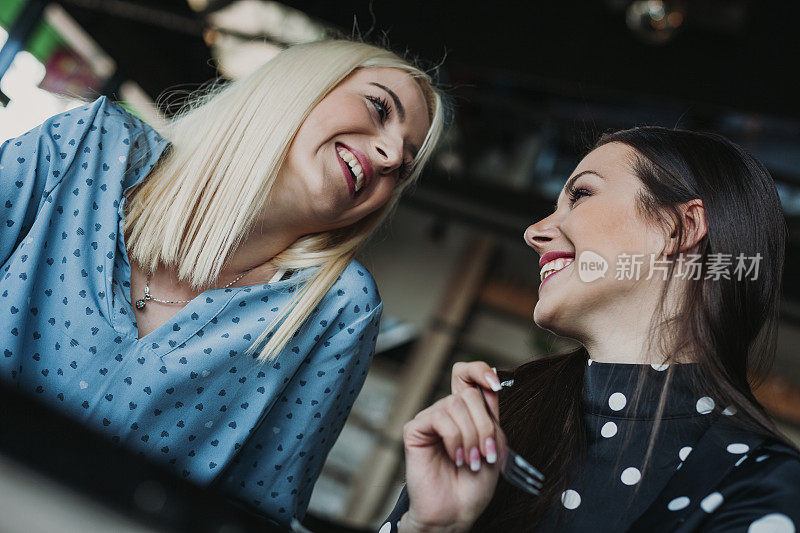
point(353, 149)
point(596, 213)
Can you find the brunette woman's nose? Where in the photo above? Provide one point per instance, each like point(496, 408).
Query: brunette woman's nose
point(538, 235)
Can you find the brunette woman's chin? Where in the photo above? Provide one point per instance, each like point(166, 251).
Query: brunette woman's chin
point(548, 318)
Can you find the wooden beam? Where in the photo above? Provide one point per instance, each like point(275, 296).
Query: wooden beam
point(510, 297)
point(426, 364)
point(781, 399)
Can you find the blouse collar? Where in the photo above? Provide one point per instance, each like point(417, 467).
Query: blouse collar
point(609, 390)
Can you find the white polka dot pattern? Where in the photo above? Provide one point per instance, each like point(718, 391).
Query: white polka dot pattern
point(678, 503)
point(738, 447)
point(772, 523)
point(617, 401)
point(684, 452)
point(570, 499)
point(705, 405)
point(608, 430)
point(711, 502)
point(631, 476)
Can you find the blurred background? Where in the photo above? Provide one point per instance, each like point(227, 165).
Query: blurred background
point(534, 84)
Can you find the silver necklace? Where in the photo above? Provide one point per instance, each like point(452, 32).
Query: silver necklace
point(147, 296)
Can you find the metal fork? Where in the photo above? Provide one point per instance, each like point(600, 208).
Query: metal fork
point(513, 467)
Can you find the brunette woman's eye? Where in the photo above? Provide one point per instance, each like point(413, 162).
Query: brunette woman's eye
point(382, 106)
point(575, 194)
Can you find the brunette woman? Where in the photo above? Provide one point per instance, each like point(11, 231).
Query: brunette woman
point(663, 259)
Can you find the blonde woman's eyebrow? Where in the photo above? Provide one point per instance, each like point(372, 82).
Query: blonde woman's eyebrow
point(401, 111)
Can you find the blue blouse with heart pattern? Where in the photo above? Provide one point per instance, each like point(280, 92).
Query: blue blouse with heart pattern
point(185, 395)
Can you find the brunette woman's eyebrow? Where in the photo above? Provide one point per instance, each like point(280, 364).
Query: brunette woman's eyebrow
point(401, 111)
point(571, 182)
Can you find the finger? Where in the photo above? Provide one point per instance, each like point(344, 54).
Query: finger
point(493, 399)
point(467, 375)
point(482, 422)
point(458, 411)
point(434, 425)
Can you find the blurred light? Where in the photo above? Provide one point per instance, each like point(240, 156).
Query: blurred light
point(236, 58)
point(268, 19)
point(197, 5)
point(29, 105)
point(80, 41)
point(131, 93)
point(654, 21)
point(248, 33)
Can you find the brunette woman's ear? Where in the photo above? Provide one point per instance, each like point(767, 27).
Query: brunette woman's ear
point(695, 226)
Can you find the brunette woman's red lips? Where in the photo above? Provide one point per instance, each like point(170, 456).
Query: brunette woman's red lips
point(364, 163)
point(550, 256)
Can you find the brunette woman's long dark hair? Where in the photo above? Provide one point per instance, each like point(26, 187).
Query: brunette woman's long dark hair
point(729, 324)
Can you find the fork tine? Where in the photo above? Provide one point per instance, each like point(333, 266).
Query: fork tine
point(520, 483)
point(509, 465)
point(522, 463)
point(525, 479)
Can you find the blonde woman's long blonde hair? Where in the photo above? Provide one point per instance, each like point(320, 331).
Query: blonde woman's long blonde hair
point(202, 199)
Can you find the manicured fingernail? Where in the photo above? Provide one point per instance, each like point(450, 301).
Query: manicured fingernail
point(494, 382)
point(491, 451)
point(494, 369)
point(459, 457)
point(474, 459)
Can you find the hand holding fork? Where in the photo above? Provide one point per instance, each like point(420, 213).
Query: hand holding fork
point(452, 455)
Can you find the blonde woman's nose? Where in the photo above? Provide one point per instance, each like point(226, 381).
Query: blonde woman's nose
point(389, 158)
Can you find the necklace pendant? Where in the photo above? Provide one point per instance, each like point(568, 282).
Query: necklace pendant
point(140, 304)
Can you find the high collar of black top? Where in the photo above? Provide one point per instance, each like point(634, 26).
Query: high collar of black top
point(634, 391)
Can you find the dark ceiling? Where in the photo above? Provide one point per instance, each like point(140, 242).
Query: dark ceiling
point(500, 56)
point(739, 59)
point(735, 54)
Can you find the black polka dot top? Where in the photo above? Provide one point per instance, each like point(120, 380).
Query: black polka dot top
point(735, 481)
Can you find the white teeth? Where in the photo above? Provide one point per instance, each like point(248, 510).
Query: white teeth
point(352, 162)
point(555, 266)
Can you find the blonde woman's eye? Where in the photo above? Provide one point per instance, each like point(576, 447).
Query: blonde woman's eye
point(382, 106)
point(404, 171)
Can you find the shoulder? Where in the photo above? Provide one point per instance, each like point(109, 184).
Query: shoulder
point(773, 466)
point(99, 137)
point(352, 303)
point(69, 126)
point(761, 494)
point(355, 286)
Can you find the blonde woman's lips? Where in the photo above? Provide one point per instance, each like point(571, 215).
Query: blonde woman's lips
point(351, 185)
point(364, 163)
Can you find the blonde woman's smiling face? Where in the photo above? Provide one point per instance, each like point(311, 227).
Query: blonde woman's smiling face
point(596, 213)
point(353, 149)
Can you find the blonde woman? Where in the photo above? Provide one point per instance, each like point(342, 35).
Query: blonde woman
point(194, 295)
